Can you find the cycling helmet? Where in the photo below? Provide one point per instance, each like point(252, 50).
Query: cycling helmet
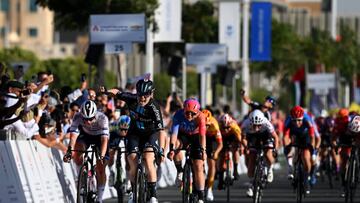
point(354, 125)
point(343, 112)
point(329, 122)
point(207, 113)
point(257, 117)
point(192, 105)
point(225, 119)
point(88, 109)
point(323, 113)
point(144, 87)
point(124, 122)
point(271, 99)
point(297, 112)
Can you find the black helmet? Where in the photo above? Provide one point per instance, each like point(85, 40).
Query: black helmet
point(271, 99)
point(144, 87)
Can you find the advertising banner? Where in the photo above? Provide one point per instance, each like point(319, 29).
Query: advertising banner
point(229, 28)
point(168, 19)
point(206, 54)
point(260, 43)
point(117, 28)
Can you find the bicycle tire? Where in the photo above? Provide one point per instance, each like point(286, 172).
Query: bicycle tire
point(227, 180)
point(139, 190)
point(329, 171)
point(82, 186)
point(186, 181)
point(300, 182)
point(257, 185)
point(350, 182)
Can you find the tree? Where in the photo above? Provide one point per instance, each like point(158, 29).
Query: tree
point(74, 14)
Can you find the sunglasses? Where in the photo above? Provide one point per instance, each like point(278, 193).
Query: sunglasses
point(144, 95)
point(90, 119)
point(190, 113)
point(257, 126)
point(124, 129)
point(297, 119)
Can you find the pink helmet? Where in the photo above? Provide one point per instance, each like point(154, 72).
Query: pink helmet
point(192, 105)
point(226, 119)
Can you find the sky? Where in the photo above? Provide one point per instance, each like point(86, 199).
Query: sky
point(349, 7)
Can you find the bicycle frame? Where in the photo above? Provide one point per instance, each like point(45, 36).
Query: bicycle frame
point(86, 188)
point(260, 175)
point(119, 182)
point(298, 181)
point(187, 195)
point(228, 178)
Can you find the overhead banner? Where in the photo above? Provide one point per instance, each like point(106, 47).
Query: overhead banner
point(117, 28)
point(260, 44)
point(168, 19)
point(229, 28)
point(206, 54)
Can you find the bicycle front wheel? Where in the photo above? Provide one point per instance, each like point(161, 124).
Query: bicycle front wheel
point(186, 184)
point(228, 180)
point(299, 183)
point(257, 185)
point(82, 189)
point(139, 192)
point(350, 180)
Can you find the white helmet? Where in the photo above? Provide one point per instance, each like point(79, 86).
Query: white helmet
point(354, 125)
point(88, 109)
point(257, 117)
point(226, 119)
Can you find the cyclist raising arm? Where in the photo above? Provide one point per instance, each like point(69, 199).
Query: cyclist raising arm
point(189, 128)
point(90, 127)
point(146, 128)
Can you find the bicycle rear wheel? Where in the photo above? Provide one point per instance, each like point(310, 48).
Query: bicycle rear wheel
point(82, 186)
point(139, 190)
point(186, 188)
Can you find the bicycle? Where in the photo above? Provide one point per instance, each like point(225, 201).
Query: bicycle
point(327, 166)
point(260, 177)
point(86, 187)
point(352, 174)
point(140, 190)
point(298, 181)
point(228, 180)
point(119, 181)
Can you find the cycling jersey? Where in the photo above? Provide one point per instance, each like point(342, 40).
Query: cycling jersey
point(232, 129)
point(183, 126)
point(302, 133)
point(341, 130)
point(99, 127)
point(213, 136)
point(144, 119)
point(212, 128)
point(263, 134)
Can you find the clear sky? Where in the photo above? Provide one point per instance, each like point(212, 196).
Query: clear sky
point(349, 7)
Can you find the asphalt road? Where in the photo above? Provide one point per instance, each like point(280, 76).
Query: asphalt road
point(280, 191)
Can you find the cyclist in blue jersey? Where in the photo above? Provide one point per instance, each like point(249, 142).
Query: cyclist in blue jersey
point(189, 128)
point(299, 130)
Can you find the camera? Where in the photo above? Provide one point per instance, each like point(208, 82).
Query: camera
point(83, 77)
point(26, 92)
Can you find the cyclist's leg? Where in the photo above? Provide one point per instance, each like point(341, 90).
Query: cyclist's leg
point(132, 148)
point(306, 160)
point(211, 168)
point(100, 166)
point(198, 168)
point(269, 157)
point(149, 159)
point(180, 143)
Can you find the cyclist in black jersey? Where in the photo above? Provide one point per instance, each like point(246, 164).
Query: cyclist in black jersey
point(266, 107)
point(146, 128)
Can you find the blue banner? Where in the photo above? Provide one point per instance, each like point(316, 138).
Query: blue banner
point(260, 44)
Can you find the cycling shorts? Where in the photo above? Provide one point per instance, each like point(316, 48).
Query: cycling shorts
point(211, 145)
point(139, 142)
point(194, 140)
point(88, 140)
point(255, 141)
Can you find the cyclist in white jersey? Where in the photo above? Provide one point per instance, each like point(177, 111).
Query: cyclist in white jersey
point(90, 127)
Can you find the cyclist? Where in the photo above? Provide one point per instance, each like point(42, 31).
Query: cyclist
point(269, 104)
point(231, 135)
point(342, 137)
point(214, 145)
point(189, 127)
point(90, 127)
point(256, 129)
point(116, 136)
point(146, 128)
point(299, 130)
